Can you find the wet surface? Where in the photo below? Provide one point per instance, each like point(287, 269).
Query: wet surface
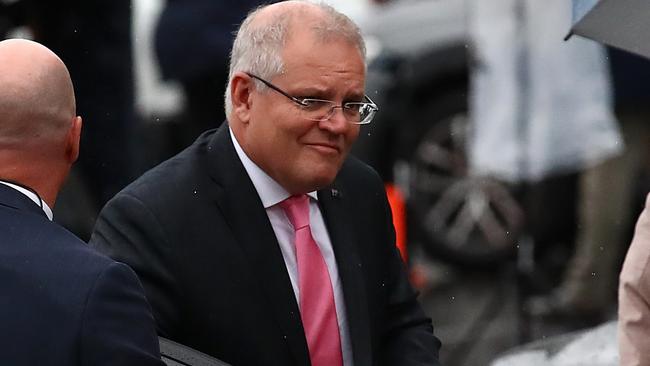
point(478, 315)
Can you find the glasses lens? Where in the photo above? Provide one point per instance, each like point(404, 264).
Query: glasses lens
point(320, 110)
point(316, 109)
point(360, 112)
point(354, 112)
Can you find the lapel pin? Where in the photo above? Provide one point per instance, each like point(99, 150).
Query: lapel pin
point(336, 193)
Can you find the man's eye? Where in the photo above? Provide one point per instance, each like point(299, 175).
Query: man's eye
point(306, 102)
point(312, 103)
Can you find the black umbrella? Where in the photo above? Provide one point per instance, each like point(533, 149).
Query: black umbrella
point(624, 24)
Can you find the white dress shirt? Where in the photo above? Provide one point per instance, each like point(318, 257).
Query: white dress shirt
point(271, 193)
point(32, 196)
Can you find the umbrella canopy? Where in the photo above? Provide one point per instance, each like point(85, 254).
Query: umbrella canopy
point(623, 24)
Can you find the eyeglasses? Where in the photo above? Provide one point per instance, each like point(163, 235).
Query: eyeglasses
point(359, 113)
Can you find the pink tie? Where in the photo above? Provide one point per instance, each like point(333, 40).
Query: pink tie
point(317, 308)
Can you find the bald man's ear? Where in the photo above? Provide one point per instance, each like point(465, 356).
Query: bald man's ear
point(241, 92)
point(73, 140)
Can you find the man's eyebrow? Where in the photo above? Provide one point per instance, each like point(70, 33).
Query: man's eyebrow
point(356, 96)
point(328, 93)
point(313, 90)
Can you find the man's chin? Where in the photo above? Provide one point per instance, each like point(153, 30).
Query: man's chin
point(317, 182)
point(311, 177)
point(323, 178)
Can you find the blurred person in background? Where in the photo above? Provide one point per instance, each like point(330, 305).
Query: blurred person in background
point(263, 243)
point(192, 44)
point(62, 303)
point(11, 16)
point(542, 111)
point(94, 39)
point(610, 192)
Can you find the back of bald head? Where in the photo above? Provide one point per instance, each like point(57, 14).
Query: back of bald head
point(37, 103)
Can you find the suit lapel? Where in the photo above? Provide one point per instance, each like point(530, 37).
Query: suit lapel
point(336, 213)
point(243, 210)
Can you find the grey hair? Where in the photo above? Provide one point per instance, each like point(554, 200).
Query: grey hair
point(257, 48)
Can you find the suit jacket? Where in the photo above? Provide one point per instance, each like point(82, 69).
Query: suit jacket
point(63, 303)
point(634, 297)
point(197, 234)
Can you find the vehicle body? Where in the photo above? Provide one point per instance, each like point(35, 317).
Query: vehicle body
point(176, 354)
point(594, 346)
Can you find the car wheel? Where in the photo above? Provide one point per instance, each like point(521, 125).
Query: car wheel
point(455, 216)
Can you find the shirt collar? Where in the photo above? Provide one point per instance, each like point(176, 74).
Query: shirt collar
point(32, 196)
point(270, 191)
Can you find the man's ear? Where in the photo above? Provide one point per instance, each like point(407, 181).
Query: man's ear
point(73, 140)
point(241, 90)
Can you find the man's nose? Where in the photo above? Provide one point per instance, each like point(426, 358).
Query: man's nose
point(337, 121)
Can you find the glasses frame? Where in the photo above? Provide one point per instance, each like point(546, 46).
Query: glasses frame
point(305, 103)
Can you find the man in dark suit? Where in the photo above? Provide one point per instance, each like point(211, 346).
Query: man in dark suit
point(262, 243)
point(62, 303)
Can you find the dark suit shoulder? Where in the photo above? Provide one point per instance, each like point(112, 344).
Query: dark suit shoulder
point(48, 276)
point(173, 181)
point(29, 234)
point(44, 256)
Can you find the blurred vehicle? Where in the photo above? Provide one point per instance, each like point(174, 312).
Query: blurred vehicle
point(418, 75)
point(176, 354)
point(596, 347)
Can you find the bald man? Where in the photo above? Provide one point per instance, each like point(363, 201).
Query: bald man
point(62, 303)
point(263, 243)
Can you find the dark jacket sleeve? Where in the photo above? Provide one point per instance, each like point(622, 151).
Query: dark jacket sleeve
point(127, 231)
point(117, 325)
point(405, 332)
point(408, 334)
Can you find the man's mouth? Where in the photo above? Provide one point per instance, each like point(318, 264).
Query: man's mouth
point(324, 147)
